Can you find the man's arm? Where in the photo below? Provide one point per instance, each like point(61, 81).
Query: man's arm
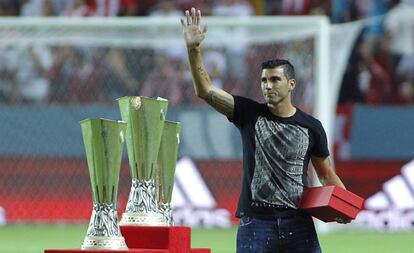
point(219, 99)
point(327, 176)
point(326, 173)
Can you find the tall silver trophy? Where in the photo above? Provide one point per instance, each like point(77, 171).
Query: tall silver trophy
point(145, 117)
point(104, 142)
point(167, 160)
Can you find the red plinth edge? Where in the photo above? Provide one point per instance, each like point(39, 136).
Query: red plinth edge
point(106, 251)
point(145, 239)
point(330, 202)
point(200, 250)
point(174, 239)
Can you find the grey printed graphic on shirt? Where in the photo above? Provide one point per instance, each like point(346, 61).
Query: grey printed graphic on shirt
point(280, 156)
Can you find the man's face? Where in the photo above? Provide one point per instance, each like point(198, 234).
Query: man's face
point(275, 86)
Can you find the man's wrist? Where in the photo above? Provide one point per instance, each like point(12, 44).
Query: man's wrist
point(193, 49)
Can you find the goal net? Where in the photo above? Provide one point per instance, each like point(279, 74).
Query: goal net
point(57, 71)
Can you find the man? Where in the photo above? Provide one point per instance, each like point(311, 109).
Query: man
point(278, 142)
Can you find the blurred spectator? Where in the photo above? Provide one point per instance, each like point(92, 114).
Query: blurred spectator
point(76, 76)
point(59, 73)
point(378, 9)
point(400, 22)
point(48, 9)
point(85, 81)
point(31, 75)
point(272, 7)
point(405, 79)
point(9, 92)
point(354, 81)
point(166, 8)
point(363, 8)
point(299, 54)
point(406, 92)
point(136, 8)
point(80, 8)
point(295, 7)
point(216, 67)
point(105, 8)
point(381, 56)
point(376, 74)
point(375, 80)
point(31, 7)
point(118, 74)
point(405, 68)
point(343, 11)
point(9, 8)
point(164, 80)
point(236, 52)
point(206, 6)
point(233, 8)
point(42, 7)
point(186, 84)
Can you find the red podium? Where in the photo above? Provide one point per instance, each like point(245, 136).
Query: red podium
point(172, 239)
point(330, 202)
point(143, 239)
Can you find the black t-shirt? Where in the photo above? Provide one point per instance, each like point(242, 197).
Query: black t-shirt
point(276, 154)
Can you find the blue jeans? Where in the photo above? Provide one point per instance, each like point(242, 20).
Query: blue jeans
point(295, 234)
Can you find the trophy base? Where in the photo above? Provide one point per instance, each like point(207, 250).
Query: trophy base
point(142, 219)
point(165, 210)
point(103, 242)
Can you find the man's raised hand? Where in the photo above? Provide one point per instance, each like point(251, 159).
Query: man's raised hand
point(193, 34)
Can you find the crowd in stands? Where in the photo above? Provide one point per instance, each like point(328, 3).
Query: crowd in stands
point(380, 69)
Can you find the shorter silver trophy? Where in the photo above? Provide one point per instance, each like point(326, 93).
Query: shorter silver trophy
point(167, 160)
point(104, 141)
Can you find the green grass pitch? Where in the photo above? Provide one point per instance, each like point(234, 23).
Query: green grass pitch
point(36, 238)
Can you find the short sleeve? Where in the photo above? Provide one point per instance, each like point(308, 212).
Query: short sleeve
point(320, 147)
point(242, 108)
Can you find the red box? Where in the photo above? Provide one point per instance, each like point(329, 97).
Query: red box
point(330, 202)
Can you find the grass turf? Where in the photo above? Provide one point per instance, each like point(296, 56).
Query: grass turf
point(36, 238)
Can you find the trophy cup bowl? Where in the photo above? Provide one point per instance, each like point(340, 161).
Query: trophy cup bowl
point(167, 160)
point(103, 140)
point(145, 117)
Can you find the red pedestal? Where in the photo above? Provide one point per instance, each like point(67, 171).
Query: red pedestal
point(175, 239)
point(145, 239)
point(330, 202)
point(106, 251)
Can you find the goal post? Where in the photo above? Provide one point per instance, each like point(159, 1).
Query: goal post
point(166, 33)
point(62, 68)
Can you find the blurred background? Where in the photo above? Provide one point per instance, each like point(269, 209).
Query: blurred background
point(64, 61)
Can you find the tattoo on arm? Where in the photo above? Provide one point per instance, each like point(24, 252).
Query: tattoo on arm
point(220, 103)
point(203, 73)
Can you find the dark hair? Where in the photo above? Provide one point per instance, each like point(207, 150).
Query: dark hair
point(288, 68)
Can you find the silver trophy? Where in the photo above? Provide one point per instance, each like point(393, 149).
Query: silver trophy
point(167, 160)
point(145, 117)
point(104, 142)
